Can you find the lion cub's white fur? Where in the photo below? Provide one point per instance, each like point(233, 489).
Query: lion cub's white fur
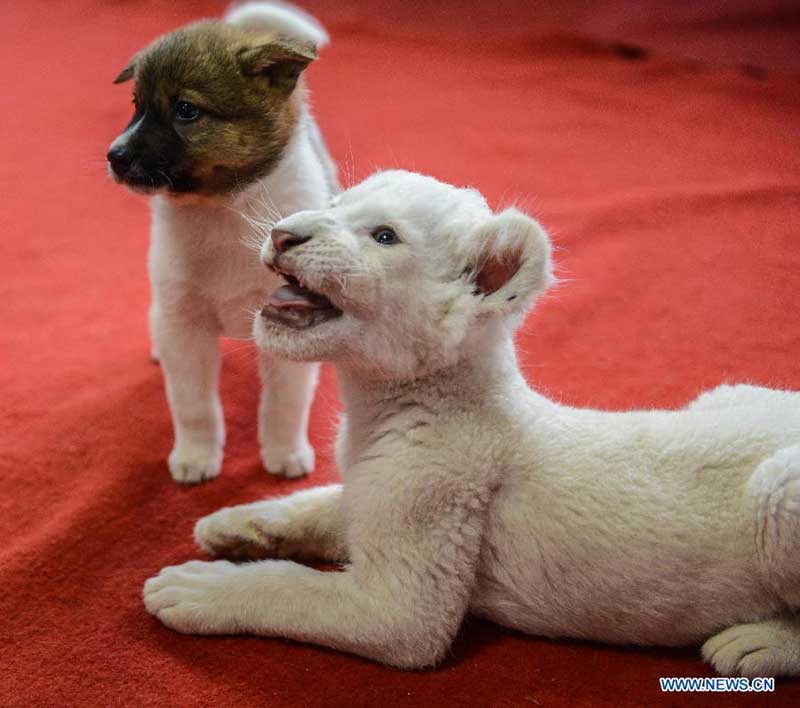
point(464, 490)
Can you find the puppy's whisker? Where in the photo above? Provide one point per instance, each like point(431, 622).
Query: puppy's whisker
point(166, 178)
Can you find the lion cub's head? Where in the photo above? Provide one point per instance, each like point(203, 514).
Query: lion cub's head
point(400, 276)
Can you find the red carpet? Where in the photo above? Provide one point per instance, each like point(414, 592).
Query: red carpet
point(671, 186)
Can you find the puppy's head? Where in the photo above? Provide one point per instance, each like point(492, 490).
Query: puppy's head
point(215, 105)
point(400, 276)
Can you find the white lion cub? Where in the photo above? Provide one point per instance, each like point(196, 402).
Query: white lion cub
point(466, 491)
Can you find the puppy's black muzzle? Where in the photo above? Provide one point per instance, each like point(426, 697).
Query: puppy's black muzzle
point(151, 157)
point(120, 159)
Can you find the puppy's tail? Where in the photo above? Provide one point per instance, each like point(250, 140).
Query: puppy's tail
point(280, 17)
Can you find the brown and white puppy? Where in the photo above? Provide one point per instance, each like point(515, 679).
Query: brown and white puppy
point(221, 134)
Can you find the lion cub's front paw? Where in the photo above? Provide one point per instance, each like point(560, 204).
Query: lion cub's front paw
point(194, 598)
point(192, 463)
point(288, 460)
point(247, 531)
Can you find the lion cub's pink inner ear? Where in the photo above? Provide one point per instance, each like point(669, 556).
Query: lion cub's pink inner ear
point(497, 269)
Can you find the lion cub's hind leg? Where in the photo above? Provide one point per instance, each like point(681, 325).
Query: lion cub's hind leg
point(769, 648)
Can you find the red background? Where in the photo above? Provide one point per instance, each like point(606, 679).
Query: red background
point(670, 184)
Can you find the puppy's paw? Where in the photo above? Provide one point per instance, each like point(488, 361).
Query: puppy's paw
point(289, 461)
point(247, 531)
point(194, 598)
point(192, 464)
point(760, 649)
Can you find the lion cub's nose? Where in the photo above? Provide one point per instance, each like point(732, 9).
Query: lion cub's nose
point(284, 240)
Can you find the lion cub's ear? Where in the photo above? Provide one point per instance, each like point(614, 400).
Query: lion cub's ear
point(511, 263)
point(280, 61)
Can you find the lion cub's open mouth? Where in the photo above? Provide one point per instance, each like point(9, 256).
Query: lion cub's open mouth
point(295, 306)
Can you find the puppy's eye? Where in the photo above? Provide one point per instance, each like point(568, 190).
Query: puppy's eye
point(385, 236)
point(186, 112)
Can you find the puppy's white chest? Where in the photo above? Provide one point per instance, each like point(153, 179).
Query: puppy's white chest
point(202, 260)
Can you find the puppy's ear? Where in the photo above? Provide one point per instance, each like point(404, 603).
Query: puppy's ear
point(280, 61)
point(511, 262)
point(127, 73)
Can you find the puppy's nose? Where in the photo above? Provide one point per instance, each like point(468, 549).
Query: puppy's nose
point(120, 159)
point(284, 240)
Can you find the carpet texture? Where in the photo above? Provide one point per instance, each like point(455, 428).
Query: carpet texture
point(670, 184)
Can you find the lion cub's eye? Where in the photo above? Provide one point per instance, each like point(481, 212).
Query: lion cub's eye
point(385, 236)
point(186, 112)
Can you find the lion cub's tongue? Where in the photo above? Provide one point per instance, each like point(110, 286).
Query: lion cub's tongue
point(296, 296)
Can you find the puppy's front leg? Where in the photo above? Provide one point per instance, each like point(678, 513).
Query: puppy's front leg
point(286, 396)
point(188, 348)
point(152, 321)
